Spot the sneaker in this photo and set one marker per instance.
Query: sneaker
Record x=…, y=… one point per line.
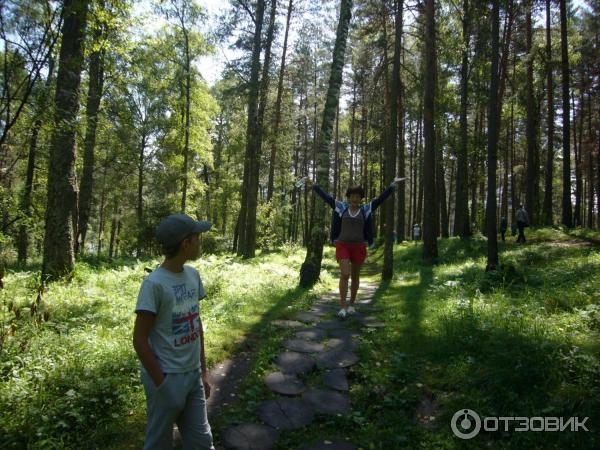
x=350, y=310
x=342, y=313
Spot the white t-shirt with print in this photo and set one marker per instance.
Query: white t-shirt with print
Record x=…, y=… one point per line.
x=175, y=299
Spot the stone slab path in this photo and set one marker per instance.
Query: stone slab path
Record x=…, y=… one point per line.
x=320, y=343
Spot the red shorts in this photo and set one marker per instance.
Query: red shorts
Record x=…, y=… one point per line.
x=354, y=252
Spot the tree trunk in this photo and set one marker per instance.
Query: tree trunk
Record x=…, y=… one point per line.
x=252, y=132
x=96, y=83
x=567, y=211
x=419, y=168
x=429, y=173
x=493, y=121
x=140, y=197
x=513, y=184
x=547, y=215
x=598, y=179
x=462, y=225
x=309, y=272
x=401, y=188
x=531, y=188
x=186, y=132
x=58, y=260
x=352, y=129
x=577, y=150
x=336, y=154
x=278, y=106
x=441, y=184
x=590, y=165
x=102, y=209
x=113, y=230
x=391, y=146
x=26, y=199
x=254, y=173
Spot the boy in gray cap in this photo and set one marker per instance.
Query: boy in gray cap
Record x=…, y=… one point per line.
x=169, y=340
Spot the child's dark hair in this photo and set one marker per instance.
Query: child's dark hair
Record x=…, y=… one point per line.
x=169, y=251
x=355, y=190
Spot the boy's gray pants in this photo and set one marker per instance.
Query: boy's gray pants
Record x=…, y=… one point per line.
x=178, y=399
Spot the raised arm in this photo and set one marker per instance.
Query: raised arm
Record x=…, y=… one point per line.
x=324, y=195
x=377, y=201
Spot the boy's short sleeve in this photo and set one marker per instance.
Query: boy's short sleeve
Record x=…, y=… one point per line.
x=147, y=299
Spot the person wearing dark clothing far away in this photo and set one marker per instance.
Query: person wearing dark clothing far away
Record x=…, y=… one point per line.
x=416, y=232
x=503, y=228
x=522, y=222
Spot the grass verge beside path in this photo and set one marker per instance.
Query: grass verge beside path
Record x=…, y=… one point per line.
x=72, y=381
x=523, y=341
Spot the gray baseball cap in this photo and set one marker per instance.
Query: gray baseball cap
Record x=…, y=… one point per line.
x=174, y=228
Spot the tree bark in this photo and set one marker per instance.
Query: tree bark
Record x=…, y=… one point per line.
x=532, y=169
x=252, y=131
x=567, y=208
x=26, y=199
x=462, y=224
x=277, y=123
x=577, y=150
x=309, y=272
x=493, y=122
x=401, y=188
x=547, y=214
x=391, y=145
x=336, y=154
x=58, y=260
x=186, y=143
x=254, y=173
x=590, y=165
x=140, y=197
x=441, y=184
x=430, y=250
x=94, y=96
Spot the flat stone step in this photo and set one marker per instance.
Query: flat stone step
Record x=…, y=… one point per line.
x=322, y=308
x=336, y=359
x=371, y=322
x=327, y=401
x=342, y=343
x=313, y=334
x=303, y=346
x=287, y=323
x=249, y=436
x=342, y=333
x=284, y=383
x=286, y=414
x=308, y=317
x=331, y=445
x=294, y=363
x=336, y=379
x=331, y=325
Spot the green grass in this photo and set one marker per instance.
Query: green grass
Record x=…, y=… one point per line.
x=72, y=380
x=522, y=341
x=519, y=342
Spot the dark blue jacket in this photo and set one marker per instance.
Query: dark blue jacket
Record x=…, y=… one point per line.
x=339, y=208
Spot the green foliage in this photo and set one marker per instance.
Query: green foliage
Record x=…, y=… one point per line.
x=267, y=238
x=72, y=378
